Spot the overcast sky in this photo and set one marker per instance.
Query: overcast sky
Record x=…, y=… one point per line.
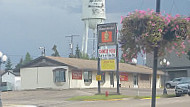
x=25, y=25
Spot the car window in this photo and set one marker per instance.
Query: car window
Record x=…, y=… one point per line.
x=186, y=80
x=176, y=79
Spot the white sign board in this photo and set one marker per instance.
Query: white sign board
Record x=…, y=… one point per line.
x=107, y=52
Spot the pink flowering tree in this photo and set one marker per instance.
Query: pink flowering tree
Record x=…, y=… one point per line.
x=143, y=30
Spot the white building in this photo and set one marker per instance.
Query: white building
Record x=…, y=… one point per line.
x=13, y=79
x=65, y=73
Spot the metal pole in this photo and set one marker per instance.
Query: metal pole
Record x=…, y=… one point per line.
x=0, y=84
x=117, y=71
x=0, y=64
x=164, y=91
x=99, y=72
x=0, y=92
x=154, y=77
x=153, y=104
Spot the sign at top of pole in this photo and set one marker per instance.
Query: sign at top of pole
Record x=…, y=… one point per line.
x=107, y=34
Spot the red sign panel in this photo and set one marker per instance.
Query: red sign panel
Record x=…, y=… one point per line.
x=123, y=76
x=77, y=74
x=106, y=36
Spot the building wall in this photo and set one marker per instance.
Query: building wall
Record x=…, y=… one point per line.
x=41, y=77
x=144, y=83
x=9, y=77
x=141, y=83
x=158, y=81
x=129, y=83
x=17, y=83
x=75, y=83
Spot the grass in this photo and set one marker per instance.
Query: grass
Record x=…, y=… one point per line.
x=113, y=97
x=168, y=96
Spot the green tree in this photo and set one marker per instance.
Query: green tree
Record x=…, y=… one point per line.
x=77, y=52
x=56, y=53
x=19, y=64
x=27, y=59
x=8, y=65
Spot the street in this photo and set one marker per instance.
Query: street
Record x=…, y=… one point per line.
x=57, y=98
x=183, y=101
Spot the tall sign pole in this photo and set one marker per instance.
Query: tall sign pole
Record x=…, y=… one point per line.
x=117, y=71
x=155, y=63
x=99, y=72
x=107, y=51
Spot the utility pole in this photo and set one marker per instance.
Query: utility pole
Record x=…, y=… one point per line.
x=155, y=63
x=71, y=43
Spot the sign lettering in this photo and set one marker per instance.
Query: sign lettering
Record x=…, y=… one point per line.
x=77, y=74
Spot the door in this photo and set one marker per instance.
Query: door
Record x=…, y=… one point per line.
x=112, y=79
x=135, y=80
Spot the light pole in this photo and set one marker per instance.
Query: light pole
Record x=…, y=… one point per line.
x=43, y=51
x=134, y=61
x=164, y=63
x=3, y=59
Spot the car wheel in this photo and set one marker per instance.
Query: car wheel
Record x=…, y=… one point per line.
x=168, y=86
x=189, y=94
x=177, y=94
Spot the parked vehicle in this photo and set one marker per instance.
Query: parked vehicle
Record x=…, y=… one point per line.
x=182, y=88
x=175, y=81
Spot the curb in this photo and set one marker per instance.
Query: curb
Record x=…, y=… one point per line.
x=16, y=105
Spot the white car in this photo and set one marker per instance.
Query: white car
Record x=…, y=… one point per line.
x=175, y=81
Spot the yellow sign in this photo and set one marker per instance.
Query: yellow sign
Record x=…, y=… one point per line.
x=98, y=77
x=107, y=65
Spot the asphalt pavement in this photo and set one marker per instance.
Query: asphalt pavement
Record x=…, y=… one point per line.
x=58, y=98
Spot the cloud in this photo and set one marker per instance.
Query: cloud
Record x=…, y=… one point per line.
x=67, y=5
x=63, y=4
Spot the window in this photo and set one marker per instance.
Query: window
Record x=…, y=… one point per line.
x=144, y=77
x=59, y=75
x=176, y=79
x=88, y=76
x=103, y=77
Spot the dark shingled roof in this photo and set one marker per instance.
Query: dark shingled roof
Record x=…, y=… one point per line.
x=92, y=65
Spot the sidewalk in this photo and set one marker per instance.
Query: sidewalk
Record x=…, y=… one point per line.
x=13, y=105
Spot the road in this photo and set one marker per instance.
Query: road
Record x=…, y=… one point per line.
x=162, y=102
x=57, y=98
